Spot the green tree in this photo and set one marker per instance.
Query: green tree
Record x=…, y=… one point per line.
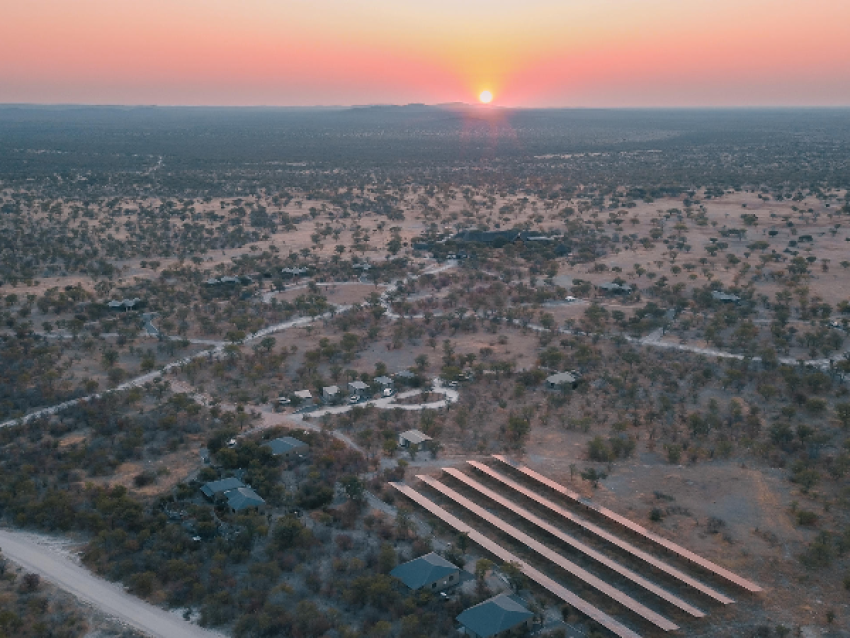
x=842, y=411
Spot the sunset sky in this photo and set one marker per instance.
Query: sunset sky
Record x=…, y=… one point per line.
x=570, y=53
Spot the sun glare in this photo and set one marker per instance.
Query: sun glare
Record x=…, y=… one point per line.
x=486, y=97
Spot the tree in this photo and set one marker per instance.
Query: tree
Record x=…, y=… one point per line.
x=386, y=558
x=268, y=343
x=842, y=411
x=514, y=574
x=353, y=487
x=110, y=358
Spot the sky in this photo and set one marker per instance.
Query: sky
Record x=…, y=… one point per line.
x=528, y=53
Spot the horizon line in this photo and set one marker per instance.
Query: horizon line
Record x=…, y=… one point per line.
x=484, y=107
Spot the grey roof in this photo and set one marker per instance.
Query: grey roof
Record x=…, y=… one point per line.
x=415, y=436
x=243, y=498
x=217, y=487
x=487, y=236
x=424, y=570
x=561, y=377
x=357, y=385
x=285, y=444
x=303, y=394
x=494, y=616
x=405, y=374
x=722, y=296
x=611, y=286
x=330, y=390
x=124, y=303
x=384, y=380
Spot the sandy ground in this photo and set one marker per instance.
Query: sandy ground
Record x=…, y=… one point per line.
x=35, y=554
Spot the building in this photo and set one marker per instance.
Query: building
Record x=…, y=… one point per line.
x=305, y=395
x=412, y=437
x=384, y=382
x=489, y=237
x=613, y=288
x=387, y=386
x=330, y=394
x=495, y=617
x=287, y=446
x=358, y=388
x=725, y=297
x=124, y=304
x=244, y=499
x=562, y=380
x=431, y=572
x=216, y=489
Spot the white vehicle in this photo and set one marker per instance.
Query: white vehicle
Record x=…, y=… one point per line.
x=453, y=385
x=388, y=392
x=353, y=399
x=570, y=299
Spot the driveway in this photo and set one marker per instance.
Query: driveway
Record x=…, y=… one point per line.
x=389, y=403
x=34, y=554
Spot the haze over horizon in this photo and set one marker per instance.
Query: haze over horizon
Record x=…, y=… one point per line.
x=540, y=53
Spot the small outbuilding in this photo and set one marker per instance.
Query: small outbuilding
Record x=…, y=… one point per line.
x=495, y=617
x=330, y=394
x=244, y=499
x=613, y=288
x=305, y=395
x=431, y=572
x=725, y=297
x=562, y=380
x=287, y=446
x=385, y=382
x=412, y=437
x=358, y=388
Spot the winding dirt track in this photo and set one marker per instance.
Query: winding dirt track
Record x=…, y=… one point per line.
x=34, y=556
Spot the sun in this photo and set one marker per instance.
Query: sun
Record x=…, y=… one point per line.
x=485, y=97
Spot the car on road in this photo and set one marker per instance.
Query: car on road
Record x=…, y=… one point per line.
x=353, y=399
x=453, y=385
x=388, y=392
x=570, y=299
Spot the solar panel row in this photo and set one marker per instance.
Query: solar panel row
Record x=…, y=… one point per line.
x=577, y=544
x=634, y=527
x=582, y=574
x=598, y=531
x=534, y=574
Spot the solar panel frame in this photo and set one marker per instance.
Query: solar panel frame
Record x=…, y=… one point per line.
x=634, y=527
x=611, y=538
x=533, y=544
x=534, y=574
x=577, y=544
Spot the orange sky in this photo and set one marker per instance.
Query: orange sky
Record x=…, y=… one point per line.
x=582, y=53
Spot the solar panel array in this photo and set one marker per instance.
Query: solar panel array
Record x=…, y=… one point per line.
x=585, y=551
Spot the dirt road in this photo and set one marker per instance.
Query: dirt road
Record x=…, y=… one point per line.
x=38, y=557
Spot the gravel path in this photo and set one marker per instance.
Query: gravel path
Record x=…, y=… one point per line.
x=35, y=554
